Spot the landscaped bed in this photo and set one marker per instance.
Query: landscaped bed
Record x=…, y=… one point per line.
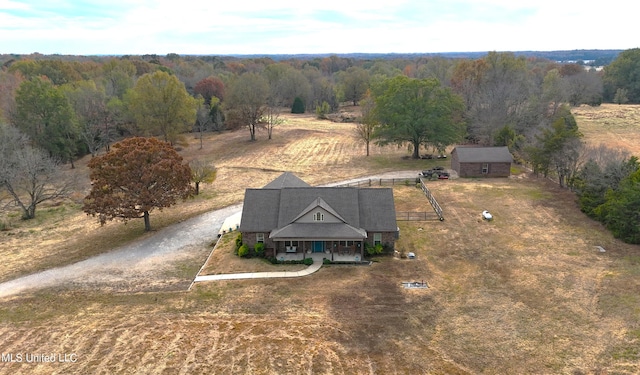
x=223, y=260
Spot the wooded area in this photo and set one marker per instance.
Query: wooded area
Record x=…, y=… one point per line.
x=73, y=106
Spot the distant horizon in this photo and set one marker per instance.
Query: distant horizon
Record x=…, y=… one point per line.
x=284, y=27
x=324, y=53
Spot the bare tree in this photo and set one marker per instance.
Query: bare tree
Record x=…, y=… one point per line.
x=203, y=120
x=247, y=101
x=584, y=88
x=497, y=92
x=367, y=123
x=271, y=119
x=605, y=156
x=89, y=104
x=27, y=174
x=568, y=160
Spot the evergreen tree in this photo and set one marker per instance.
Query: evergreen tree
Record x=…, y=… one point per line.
x=621, y=211
x=298, y=105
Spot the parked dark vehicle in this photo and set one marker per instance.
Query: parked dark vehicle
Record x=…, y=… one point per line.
x=437, y=173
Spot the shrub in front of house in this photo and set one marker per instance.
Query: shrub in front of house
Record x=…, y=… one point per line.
x=308, y=261
x=374, y=250
x=387, y=248
x=259, y=249
x=243, y=251
x=238, y=241
x=274, y=260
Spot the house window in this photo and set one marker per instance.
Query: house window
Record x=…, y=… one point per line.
x=485, y=168
x=377, y=239
x=259, y=237
x=291, y=246
x=319, y=216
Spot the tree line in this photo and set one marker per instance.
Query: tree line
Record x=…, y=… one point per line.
x=71, y=108
x=74, y=107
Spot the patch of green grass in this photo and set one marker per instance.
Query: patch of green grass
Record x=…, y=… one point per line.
x=535, y=194
x=41, y=306
x=628, y=352
x=396, y=162
x=184, y=270
x=632, y=260
x=517, y=169
x=50, y=304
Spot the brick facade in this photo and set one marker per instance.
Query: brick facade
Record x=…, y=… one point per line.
x=271, y=247
x=475, y=169
x=474, y=166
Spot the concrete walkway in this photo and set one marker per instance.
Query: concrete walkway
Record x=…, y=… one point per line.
x=261, y=275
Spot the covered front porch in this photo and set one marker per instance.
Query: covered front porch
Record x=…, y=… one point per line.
x=333, y=250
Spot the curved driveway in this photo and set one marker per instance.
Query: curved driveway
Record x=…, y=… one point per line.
x=125, y=264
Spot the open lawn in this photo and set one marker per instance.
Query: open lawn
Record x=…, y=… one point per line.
x=525, y=293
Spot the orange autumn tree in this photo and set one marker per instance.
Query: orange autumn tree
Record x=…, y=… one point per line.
x=136, y=176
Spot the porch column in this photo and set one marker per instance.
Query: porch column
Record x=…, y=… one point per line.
x=333, y=246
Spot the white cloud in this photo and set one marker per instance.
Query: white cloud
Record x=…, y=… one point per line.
x=286, y=26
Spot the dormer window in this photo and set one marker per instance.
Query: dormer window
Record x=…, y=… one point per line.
x=319, y=216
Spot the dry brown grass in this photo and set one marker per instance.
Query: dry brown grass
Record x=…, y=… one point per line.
x=525, y=293
x=317, y=151
x=617, y=126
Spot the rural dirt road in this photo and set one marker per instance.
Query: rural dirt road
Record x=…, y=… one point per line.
x=147, y=264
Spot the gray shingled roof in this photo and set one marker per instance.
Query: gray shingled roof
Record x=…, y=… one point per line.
x=344, y=200
x=270, y=209
x=321, y=231
x=287, y=179
x=319, y=202
x=483, y=154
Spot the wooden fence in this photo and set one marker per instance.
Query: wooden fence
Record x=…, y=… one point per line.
x=404, y=215
x=382, y=182
x=414, y=216
x=432, y=200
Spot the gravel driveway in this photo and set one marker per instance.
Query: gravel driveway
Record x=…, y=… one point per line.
x=145, y=264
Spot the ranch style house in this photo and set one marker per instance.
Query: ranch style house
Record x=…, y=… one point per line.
x=473, y=161
x=294, y=219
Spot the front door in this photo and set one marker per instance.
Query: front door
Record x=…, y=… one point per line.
x=318, y=246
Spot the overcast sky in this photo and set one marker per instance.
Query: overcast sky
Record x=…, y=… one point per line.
x=93, y=27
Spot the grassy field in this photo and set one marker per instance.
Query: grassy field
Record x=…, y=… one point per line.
x=617, y=126
x=525, y=293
